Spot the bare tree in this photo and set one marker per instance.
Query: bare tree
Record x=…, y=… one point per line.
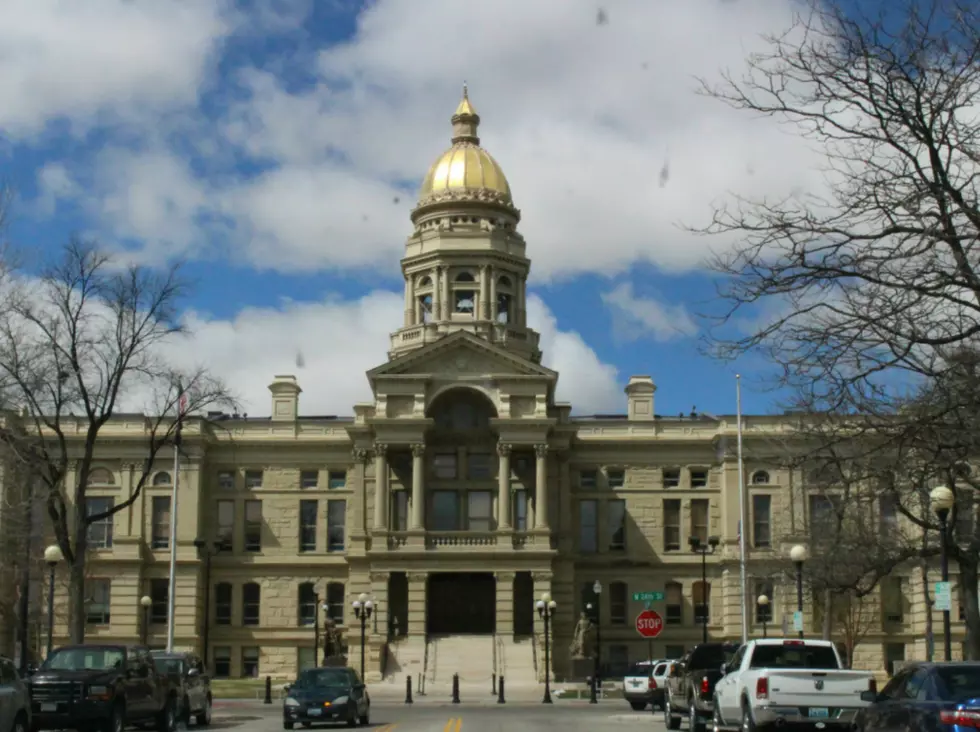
x=79, y=344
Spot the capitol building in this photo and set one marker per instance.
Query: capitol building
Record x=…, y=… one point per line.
x=457, y=496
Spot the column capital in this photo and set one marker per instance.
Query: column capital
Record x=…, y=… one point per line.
x=360, y=455
x=380, y=576
x=541, y=450
x=418, y=449
x=380, y=449
x=504, y=448
x=541, y=576
x=417, y=576
x=505, y=576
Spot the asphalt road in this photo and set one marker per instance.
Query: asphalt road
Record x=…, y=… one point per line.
x=459, y=718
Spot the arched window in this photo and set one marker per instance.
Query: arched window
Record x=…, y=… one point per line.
x=100, y=476
x=335, y=602
x=251, y=603
x=307, y=604
x=701, y=592
x=504, y=282
x=674, y=602
x=425, y=308
x=465, y=277
x=425, y=281
x=462, y=409
x=162, y=478
x=505, y=300
x=464, y=294
x=760, y=477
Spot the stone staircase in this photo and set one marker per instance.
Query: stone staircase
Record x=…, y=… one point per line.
x=406, y=656
x=470, y=656
x=517, y=662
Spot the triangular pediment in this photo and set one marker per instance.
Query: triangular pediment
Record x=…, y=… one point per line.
x=463, y=354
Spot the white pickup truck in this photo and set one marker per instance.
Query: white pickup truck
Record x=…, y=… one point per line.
x=799, y=683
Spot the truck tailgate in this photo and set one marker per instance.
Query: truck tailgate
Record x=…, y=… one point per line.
x=815, y=688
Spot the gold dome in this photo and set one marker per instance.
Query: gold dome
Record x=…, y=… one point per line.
x=465, y=169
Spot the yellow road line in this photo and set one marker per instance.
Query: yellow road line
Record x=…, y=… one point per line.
x=453, y=725
x=386, y=728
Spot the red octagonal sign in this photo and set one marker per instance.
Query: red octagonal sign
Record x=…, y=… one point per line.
x=649, y=623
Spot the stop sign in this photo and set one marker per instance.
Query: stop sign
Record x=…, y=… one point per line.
x=649, y=623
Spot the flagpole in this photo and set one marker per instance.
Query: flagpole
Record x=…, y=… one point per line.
x=743, y=527
x=172, y=590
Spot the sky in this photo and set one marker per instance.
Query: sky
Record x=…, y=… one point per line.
x=278, y=145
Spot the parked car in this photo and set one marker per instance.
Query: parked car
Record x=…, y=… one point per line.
x=192, y=684
x=691, y=685
x=799, y=683
x=926, y=697
x=639, y=686
x=108, y=687
x=15, y=699
x=326, y=695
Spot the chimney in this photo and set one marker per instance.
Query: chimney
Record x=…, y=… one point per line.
x=639, y=399
x=285, y=398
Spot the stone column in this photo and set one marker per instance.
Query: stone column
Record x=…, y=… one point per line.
x=505, y=604
x=359, y=460
x=416, y=604
x=447, y=304
x=380, y=486
x=484, y=312
x=541, y=487
x=436, y=294
x=520, y=295
x=418, y=492
x=503, y=486
x=409, y=300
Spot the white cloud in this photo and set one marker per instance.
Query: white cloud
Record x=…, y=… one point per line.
x=582, y=117
x=635, y=317
x=80, y=60
x=329, y=346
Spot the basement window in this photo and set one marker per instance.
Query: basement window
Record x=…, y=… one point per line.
x=699, y=477
x=672, y=477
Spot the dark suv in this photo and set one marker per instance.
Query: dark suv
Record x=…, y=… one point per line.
x=190, y=682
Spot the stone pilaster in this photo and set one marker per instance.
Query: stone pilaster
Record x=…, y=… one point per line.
x=380, y=486
x=505, y=604
x=416, y=603
x=503, y=486
x=418, y=487
x=541, y=487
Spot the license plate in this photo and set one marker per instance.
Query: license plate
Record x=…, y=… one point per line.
x=314, y=712
x=49, y=707
x=819, y=712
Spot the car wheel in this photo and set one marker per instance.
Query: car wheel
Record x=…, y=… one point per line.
x=748, y=724
x=287, y=725
x=117, y=719
x=671, y=720
x=352, y=717
x=366, y=717
x=716, y=723
x=20, y=724
x=166, y=719
x=203, y=719
x=694, y=721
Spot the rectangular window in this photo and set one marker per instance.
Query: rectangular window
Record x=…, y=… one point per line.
x=159, y=600
x=160, y=522
x=337, y=480
x=699, y=519
x=222, y=603
x=588, y=526
x=307, y=525
x=335, y=602
x=616, y=517
x=892, y=599
x=824, y=510
x=305, y=659
x=520, y=510
x=480, y=466
x=479, y=512
x=222, y=662
x=309, y=479
x=894, y=653
x=251, y=604
x=399, y=507
x=701, y=593
x=619, y=661
x=674, y=603
x=763, y=611
x=253, y=526
x=444, y=466
x=253, y=479
x=587, y=479
x=616, y=477
x=617, y=603
x=226, y=524
x=99, y=593
x=226, y=480
x=250, y=662
x=336, y=525
x=307, y=604
x=761, y=521
x=672, y=477
x=672, y=524
x=699, y=478
x=99, y=532
x=445, y=511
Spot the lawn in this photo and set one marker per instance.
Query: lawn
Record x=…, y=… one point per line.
x=244, y=688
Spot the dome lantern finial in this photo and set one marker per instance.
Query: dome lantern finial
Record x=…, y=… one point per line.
x=465, y=120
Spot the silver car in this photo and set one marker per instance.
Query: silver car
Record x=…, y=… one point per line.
x=15, y=700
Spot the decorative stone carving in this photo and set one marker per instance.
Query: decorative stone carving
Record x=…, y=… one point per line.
x=380, y=576
x=582, y=638
x=504, y=449
x=418, y=450
x=505, y=576
x=360, y=455
x=541, y=450
x=417, y=576
x=541, y=576
x=380, y=449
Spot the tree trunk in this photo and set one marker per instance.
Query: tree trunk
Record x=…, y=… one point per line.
x=968, y=597
x=76, y=579
x=927, y=598
x=828, y=615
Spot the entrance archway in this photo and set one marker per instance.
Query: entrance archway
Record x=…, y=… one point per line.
x=461, y=603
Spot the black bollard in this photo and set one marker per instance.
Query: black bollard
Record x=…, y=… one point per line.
x=500, y=691
x=592, y=691
x=455, y=688
x=408, y=689
x=493, y=684
x=268, y=690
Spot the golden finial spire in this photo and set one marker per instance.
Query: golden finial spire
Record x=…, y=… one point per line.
x=465, y=107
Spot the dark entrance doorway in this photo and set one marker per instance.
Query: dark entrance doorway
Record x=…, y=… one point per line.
x=461, y=603
x=397, y=605
x=523, y=605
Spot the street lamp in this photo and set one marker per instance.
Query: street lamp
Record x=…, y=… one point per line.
x=704, y=550
x=207, y=550
x=52, y=556
x=763, y=603
x=362, y=611
x=798, y=555
x=326, y=636
x=942, y=500
x=546, y=609
x=597, y=659
x=146, y=601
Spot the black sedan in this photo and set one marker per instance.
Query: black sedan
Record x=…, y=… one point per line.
x=925, y=697
x=326, y=695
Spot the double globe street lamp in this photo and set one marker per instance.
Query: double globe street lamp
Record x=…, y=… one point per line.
x=763, y=603
x=52, y=557
x=363, y=607
x=546, y=610
x=146, y=602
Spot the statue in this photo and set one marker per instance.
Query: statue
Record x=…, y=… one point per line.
x=582, y=639
x=331, y=640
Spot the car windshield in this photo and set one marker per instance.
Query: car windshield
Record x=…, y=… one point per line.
x=959, y=683
x=639, y=669
x=85, y=659
x=797, y=655
x=321, y=677
x=170, y=666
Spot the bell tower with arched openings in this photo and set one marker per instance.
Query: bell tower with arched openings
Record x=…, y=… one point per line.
x=465, y=265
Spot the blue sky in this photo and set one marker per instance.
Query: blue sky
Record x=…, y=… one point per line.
x=278, y=147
